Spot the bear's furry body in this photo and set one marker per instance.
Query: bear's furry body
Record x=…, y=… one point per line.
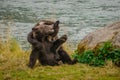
x=46, y=46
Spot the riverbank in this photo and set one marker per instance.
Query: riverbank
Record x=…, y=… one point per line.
x=13, y=66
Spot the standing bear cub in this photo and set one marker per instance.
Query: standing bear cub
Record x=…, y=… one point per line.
x=46, y=46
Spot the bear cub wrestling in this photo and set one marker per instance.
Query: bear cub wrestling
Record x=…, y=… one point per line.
x=46, y=46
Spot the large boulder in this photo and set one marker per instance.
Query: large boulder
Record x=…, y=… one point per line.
x=108, y=33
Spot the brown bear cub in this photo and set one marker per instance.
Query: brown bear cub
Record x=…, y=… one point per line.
x=46, y=46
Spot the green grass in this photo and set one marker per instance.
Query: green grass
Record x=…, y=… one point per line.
x=13, y=66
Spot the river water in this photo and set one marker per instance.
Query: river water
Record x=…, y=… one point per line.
x=78, y=17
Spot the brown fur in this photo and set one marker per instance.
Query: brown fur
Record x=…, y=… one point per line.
x=46, y=46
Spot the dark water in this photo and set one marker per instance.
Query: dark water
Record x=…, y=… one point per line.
x=78, y=17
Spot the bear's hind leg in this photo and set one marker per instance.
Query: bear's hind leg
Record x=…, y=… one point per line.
x=33, y=58
x=65, y=57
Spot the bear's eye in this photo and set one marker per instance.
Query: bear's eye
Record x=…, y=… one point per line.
x=48, y=23
x=45, y=26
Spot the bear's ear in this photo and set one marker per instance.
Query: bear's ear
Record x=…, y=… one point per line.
x=56, y=23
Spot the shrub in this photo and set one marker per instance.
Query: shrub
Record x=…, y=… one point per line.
x=99, y=56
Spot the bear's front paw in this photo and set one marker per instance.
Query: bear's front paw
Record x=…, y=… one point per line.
x=63, y=38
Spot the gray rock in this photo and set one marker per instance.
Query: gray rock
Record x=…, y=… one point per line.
x=108, y=33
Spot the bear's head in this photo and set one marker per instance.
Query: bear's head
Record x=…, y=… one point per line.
x=46, y=28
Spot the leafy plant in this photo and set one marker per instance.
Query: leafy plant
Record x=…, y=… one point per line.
x=104, y=53
x=115, y=56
